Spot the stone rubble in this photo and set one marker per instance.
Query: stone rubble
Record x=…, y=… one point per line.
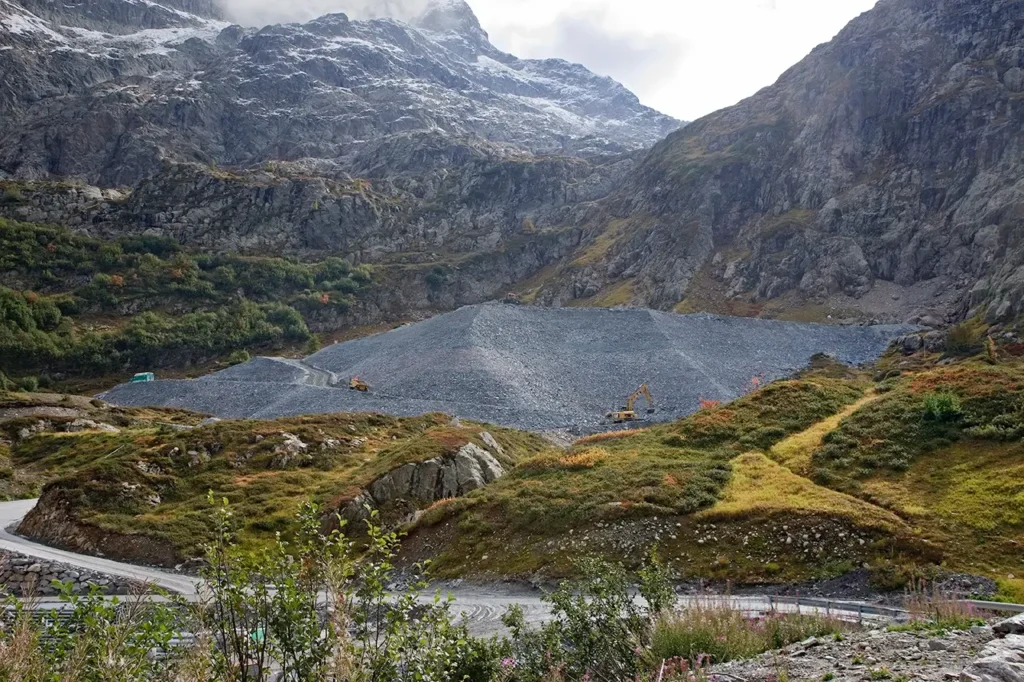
x=527, y=367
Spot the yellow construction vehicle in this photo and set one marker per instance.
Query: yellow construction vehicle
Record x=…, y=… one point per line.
x=358, y=384
x=627, y=413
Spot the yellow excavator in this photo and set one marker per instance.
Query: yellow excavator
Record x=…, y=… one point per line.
x=358, y=384
x=627, y=413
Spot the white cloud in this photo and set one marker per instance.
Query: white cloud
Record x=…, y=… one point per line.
x=725, y=49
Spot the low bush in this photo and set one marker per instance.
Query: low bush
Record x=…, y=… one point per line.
x=720, y=633
x=967, y=337
x=238, y=357
x=942, y=407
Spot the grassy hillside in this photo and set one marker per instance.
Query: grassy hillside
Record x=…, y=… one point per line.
x=802, y=479
x=72, y=306
x=144, y=488
x=807, y=478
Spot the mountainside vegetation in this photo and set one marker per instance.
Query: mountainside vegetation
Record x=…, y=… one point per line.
x=73, y=306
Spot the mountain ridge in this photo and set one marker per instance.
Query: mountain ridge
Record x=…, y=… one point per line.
x=181, y=87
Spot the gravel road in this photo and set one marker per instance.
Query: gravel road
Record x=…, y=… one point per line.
x=526, y=367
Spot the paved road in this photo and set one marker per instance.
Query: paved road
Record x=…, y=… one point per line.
x=481, y=606
x=11, y=514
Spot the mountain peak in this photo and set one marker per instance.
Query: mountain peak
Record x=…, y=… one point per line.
x=450, y=16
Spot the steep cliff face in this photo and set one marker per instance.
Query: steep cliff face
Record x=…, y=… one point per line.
x=882, y=173
x=107, y=91
x=429, y=213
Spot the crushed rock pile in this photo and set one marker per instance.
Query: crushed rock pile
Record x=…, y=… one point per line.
x=525, y=367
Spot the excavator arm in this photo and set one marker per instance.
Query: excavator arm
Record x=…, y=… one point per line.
x=642, y=392
x=627, y=414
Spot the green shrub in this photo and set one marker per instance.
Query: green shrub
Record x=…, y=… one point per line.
x=313, y=345
x=238, y=357
x=966, y=338
x=29, y=384
x=12, y=195
x=942, y=407
x=238, y=302
x=597, y=631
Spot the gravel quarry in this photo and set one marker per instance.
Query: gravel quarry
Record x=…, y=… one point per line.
x=539, y=369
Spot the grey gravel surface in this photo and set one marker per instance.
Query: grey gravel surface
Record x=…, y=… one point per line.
x=525, y=367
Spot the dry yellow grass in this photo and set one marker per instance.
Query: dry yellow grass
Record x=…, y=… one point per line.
x=610, y=435
x=760, y=486
x=978, y=487
x=795, y=452
x=599, y=248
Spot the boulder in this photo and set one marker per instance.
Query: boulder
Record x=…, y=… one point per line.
x=427, y=475
x=491, y=442
x=1002, y=660
x=383, y=490
x=935, y=342
x=910, y=344
x=468, y=472
x=1011, y=626
x=470, y=468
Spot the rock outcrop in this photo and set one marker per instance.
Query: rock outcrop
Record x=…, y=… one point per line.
x=423, y=483
x=53, y=522
x=881, y=176
x=1002, y=660
x=878, y=179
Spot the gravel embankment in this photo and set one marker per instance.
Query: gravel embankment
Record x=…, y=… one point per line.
x=526, y=367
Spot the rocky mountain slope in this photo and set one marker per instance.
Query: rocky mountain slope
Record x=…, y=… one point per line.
x=882, y=173
x=878, y=179
x=108, y=91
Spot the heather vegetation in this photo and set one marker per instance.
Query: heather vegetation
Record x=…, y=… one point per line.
x=72, y=305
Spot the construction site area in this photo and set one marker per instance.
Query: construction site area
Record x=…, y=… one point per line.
x=540, y=369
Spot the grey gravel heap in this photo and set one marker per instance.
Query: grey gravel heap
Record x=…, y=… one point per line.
x=526, y=367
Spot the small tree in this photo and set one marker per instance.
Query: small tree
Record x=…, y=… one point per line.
x=991, y=351
x=942, y=407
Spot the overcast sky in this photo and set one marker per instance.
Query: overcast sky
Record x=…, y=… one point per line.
x=686, y=58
